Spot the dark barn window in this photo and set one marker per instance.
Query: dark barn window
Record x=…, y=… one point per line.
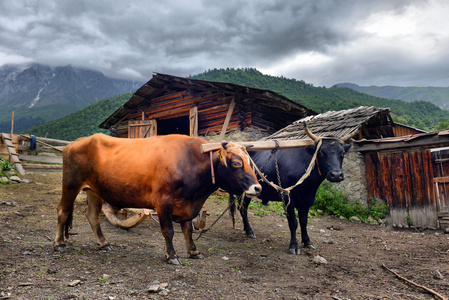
x=178, y=125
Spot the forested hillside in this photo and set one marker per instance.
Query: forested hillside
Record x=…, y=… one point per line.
x=420, y=114
x=435, y=95
x=81, y=123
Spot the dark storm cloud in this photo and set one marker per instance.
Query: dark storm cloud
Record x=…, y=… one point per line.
x=133, y=39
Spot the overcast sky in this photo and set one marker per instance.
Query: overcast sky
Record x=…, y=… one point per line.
x=323, y=42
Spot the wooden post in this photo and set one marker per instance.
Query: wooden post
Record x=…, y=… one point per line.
x=228, y=118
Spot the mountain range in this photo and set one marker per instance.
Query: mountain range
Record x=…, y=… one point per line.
x=436, y=95
x=39, y=93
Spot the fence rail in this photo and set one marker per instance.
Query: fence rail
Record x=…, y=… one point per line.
x=47, y=153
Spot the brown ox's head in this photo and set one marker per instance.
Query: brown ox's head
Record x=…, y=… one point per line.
x=234, y=172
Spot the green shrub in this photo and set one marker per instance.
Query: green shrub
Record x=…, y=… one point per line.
x=332, y=201
x=5, y=166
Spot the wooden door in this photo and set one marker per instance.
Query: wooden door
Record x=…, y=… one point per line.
x=142, y=129
x=440, y=159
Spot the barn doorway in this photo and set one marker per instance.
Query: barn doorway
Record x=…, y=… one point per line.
x=179, y=125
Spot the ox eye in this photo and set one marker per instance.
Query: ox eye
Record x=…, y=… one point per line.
x=237, y=164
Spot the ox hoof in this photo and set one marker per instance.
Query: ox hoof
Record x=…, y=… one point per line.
x=294, y=251
x=60, y=248
x=197, y=256
x=251, y=235
x=174, y=261
x=106, y=248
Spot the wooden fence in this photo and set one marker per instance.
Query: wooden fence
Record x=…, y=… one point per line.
x=47, y=154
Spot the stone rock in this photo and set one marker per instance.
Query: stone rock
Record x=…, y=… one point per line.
x=319, y=260
x=74, y=283
x=9, y=203
x=160, y=288
x=355, y=219
x=370, y=220
x=15, y=179
x=4, y=179
x=24, y=180
x=437, y=274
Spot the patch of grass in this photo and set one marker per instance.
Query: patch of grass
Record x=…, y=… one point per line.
x=332, y=201
x=103, y=280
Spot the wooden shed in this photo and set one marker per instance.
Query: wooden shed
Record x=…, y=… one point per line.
x=411, y=173
x=170, y=104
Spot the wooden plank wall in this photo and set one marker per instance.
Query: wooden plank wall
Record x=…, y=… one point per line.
x=399, y=130
x=212, y=110
x=404, y=179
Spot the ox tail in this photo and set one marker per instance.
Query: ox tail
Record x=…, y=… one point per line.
x=231, y=202
x=68, y=224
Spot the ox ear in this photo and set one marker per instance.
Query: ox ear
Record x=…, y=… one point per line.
x=311, y=149
x=224, y=144
x=347, y=147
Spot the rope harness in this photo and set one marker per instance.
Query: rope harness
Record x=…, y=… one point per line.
x=286, y=191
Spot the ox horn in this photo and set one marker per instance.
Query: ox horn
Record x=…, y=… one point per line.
x=307, y=131
x=351, y=135
x=224, y=144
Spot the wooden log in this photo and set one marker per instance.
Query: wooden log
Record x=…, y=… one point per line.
x=41, y=167
x=42, y=159
x=261, y=145
x=47, y=140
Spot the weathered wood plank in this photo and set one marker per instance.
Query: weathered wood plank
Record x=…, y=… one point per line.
x=42, y=159
x=42, y=167
x=261, y=145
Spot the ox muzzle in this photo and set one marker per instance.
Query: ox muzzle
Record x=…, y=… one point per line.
x=335, y=176
x=253, y=191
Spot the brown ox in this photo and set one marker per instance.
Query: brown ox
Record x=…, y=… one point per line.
x=166, y=173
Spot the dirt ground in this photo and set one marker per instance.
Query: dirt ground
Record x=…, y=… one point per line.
x=234, y=267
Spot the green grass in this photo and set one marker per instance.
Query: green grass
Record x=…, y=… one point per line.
x=332, y=201
x=328, y=200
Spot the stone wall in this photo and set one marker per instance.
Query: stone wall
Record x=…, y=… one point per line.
x=355, y=180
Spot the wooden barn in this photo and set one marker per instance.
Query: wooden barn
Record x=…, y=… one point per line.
x=410, y=172
x=170, y=104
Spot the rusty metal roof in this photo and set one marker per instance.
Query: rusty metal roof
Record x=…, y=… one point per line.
x=163, y=83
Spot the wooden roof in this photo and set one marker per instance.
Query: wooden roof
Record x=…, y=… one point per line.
x=375, y=122
x=163, y=83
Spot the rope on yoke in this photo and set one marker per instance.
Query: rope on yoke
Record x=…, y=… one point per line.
x=300, y=181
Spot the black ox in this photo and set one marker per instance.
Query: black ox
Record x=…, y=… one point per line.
x=292, y=165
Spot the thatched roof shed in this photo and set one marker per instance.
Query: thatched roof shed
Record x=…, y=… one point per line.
x=375, y=123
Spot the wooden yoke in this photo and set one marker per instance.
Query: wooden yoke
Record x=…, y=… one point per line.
x=261, y=145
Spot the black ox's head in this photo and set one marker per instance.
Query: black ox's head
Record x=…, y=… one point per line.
x=234, y=171
x=330, y=154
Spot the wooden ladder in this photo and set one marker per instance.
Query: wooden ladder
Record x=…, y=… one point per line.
x=12, y=153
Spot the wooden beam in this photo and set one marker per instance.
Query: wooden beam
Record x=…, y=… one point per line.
x=41, y=158
x=261, y=145
x=228, y=118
